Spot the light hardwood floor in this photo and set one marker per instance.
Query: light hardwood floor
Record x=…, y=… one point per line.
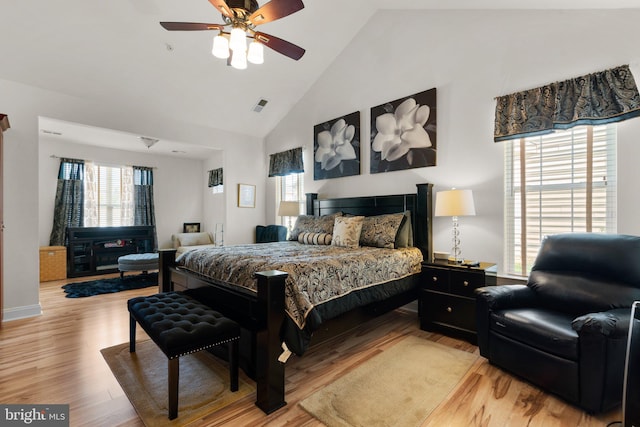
x=55, y=358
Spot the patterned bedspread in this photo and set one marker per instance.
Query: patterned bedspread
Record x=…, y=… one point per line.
x=317, y=273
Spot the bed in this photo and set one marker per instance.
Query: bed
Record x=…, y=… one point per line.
x=264, y=307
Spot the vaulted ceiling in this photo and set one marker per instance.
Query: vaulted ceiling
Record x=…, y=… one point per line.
x=116, y=52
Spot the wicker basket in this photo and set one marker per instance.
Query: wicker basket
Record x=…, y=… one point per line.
x=53, y=263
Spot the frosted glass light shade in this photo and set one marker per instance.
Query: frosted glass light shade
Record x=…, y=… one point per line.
x=220, y=47
x=238, y=40
x=256, y=53
x=239, y=59
x=454, y=203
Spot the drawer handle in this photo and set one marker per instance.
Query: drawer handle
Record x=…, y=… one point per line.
x=449, y=309
x=465, y=283
x=435, y=279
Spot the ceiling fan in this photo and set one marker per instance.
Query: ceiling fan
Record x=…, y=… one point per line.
x=243, y=16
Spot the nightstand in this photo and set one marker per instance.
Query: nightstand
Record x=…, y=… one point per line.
x=447, y=302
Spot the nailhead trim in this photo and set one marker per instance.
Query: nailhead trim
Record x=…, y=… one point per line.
x=204, y=348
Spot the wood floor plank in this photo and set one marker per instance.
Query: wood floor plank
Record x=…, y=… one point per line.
x=55, y=358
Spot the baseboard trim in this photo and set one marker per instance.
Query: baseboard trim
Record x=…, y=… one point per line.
x=24, y=312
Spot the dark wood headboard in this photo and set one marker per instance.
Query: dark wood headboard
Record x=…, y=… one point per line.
x=420, y=204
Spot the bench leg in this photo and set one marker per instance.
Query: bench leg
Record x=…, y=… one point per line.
x=233, y=364
x=132, y=334
x=174, y=374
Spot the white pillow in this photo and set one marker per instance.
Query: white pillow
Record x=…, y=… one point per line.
x=194, y=239
x=346, y=231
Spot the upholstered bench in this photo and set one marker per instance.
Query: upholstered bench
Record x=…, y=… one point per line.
x=137, y=262
x=181, y=325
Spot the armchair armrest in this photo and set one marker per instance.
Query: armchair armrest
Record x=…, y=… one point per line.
x=506, y=296
x=612, y=323
x=492, y=298
x=603, y=343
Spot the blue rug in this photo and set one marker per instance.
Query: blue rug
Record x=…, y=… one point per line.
x=109, y=286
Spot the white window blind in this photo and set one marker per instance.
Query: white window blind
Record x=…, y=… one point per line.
x=555, y=183
x=109, y=196
x=291, y=188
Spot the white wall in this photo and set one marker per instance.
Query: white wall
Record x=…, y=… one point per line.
x=24, y=104
x=470, y=57
x=178, y=185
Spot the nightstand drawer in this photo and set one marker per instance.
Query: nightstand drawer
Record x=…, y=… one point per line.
x=450, y=311
x=436, y=279
x=464, y=283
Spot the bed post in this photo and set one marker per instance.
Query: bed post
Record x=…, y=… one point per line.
x=311, y=197
x=423, y=220
x=166, y=260
x=269, y=370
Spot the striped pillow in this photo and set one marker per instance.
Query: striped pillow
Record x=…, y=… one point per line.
x=315, y=238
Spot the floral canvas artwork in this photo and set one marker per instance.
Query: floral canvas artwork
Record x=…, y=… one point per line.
x=336, y=147
x=403, y=133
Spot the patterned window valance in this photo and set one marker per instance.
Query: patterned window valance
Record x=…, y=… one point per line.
x=215, y=177
x=286, y=162
x=71, y=169
x=142, y=175
x=599, y=98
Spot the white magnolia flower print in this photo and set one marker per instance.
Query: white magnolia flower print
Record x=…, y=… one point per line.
x=401, y=131
x=335, y=146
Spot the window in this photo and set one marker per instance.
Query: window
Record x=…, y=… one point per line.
x=560, y=182
x=109, y=196
x=108, y=200
x=290, y=188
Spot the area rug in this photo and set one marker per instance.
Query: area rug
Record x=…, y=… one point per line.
x=398, y=387
x=111, y=285
x=203, y=384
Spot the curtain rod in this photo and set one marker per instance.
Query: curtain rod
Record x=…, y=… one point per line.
x=53, y=156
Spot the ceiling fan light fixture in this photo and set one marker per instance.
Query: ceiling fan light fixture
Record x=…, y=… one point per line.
x=220, y=47
x=238, y=41
x=239, y=59
x=256, y=53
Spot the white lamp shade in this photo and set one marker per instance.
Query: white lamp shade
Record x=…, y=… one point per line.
x=256, y=53
x=238, y=41
x=289, y=208
x=454, y=203
x=239, y=59
x=220, y=47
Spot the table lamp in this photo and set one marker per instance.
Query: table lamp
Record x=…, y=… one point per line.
x=289, y=209
x=455, y=203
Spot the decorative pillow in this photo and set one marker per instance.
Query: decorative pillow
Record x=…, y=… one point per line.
x=346, y=231
x=193, y=239
x=404, y=238
x=315, y=238
x=314, y=224
x=380, y=231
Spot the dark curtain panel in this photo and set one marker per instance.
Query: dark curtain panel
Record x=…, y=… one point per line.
x=595, y=99
x=143, y=208
x=69, y=204
x=215, y=177
x=286, y=162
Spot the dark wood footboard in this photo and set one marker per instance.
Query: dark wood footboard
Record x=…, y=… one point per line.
x=261, y=313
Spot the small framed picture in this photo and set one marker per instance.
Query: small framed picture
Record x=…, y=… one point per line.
x=246, y=196
x=191, y=227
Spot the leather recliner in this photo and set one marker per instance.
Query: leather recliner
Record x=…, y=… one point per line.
x=566, y=329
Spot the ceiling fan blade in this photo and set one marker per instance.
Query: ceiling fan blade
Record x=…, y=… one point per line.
x=273, y=10
x=222, y=7
x=281, y=46
x=190, y=26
